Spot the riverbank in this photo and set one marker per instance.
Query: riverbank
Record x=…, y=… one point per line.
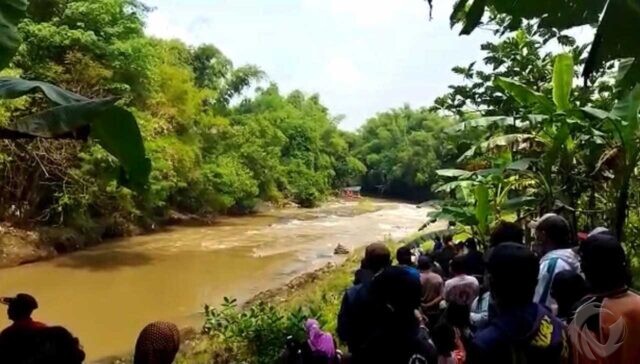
x=173, y=273
x=318, y=292
x=315, y=294
x=19, y=246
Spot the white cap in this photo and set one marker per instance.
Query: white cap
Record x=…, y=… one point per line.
x=598, y=230
x=534, y=224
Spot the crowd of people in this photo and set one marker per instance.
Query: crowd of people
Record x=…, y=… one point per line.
x=560, y=300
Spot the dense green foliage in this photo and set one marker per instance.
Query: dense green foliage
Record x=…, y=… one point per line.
x=496, y=142
x=543, y=143
x=212, y=149
x=68, y=115
x=402, y=149
x=615, y=38
x=257, y=334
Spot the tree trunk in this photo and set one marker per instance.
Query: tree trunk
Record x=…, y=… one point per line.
x=622, y=205
x=591, y=206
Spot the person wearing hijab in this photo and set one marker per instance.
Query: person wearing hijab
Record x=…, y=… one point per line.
x=321, y=344
x=158, y=343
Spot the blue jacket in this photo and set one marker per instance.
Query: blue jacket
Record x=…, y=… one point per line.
x=355, y=316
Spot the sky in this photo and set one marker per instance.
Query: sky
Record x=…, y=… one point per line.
x=361, y=56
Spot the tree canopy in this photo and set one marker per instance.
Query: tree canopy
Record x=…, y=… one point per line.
x=496, y=144
x=532, y=124
x=212, y=148
x=617, y=23
x=402, y=149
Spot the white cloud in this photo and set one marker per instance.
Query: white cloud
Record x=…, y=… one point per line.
x=368, y=13
x=343, y=73
x=361, y=56
x=159, y=25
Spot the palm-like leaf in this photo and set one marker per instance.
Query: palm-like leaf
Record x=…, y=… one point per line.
x=113, y=127
x=12, y=88
x=11, y=13
x=597, y=113
x=525, y=95
x=521, y=164
x=483, y=208
x=513, y=141
x=459, y=173
x=520, y=202
x=448, y=187
x=482, y=123
x=562, y=81
x=616, y=37
x=460, y=215
x=60, y=120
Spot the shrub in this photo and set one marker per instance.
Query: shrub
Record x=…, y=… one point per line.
x=257, y=334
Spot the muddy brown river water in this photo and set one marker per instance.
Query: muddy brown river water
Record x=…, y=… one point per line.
x=107, y=294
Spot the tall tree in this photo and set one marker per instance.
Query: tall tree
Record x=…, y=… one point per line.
x=402, y=150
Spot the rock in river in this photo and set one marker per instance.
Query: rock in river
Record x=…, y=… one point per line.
x=340, y=250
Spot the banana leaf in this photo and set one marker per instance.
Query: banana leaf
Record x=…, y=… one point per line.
x=11, y=13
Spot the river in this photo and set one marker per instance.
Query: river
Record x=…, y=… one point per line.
x=106, y=295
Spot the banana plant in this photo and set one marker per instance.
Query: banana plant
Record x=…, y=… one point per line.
x=71, y=116
x=618, y=23
x=480, y=198
x=549, y=136
x=542, y=131
x=624, y=125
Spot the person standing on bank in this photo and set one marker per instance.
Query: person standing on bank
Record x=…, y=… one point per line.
x=606, y=326
x=521, y=331
x=354, y=318
x=15, y=340
x=554, y=244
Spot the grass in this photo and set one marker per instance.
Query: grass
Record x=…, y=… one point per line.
x=325, y=293
x=320, y=292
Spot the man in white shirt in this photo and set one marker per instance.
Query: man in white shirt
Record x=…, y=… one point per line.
x=554, y=243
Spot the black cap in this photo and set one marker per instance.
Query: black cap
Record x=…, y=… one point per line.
x=23, y=301
x=603, y=248
x=513, y=271
x=604, y=263
x=508, y=258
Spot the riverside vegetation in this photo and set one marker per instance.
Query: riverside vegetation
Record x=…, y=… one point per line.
x=254, y=332
x=520, y=122
x=200, y=145
x=212, y=147
x=498, y=145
